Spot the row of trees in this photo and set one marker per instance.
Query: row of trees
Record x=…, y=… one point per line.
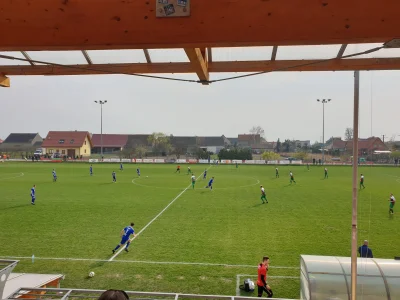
x=236, y=153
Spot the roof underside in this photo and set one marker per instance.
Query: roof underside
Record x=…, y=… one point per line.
x=273, y=37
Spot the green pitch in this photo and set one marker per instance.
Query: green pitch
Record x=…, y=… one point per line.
x=205, y=240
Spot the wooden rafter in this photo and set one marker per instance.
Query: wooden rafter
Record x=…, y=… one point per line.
x=362, y=64
x=87, y=57
x=198, y=61
x=274, y=51
x=26, y=55
x=209, y=54
x=4, y=81
x=65, y=25
x=147, y=55
x=341, y=50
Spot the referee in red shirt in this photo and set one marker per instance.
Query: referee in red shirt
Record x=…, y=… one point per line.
x=262, y=278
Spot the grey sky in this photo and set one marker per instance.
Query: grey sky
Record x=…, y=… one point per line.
x=284, y=104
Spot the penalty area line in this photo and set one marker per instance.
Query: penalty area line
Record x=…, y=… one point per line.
x=155, y=218
x=205, y=264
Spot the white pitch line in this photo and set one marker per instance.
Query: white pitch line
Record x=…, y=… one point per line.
x=155, y=218
x=147, y=262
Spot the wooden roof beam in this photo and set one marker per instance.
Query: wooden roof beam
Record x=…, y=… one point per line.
x=341, y=50
x=4, y=81
x=147, y=55
x=198, y=60
x=74, y=25
x=26, y=55
x=87, y=57
x=362, y=64
x=209, y=54
x=274, y=51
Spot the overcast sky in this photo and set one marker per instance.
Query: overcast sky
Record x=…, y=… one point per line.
x=284, y=104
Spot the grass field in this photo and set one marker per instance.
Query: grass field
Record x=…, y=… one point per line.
x=204, y=239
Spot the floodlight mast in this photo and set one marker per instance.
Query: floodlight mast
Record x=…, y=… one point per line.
x=323, y=101
x=101, y=102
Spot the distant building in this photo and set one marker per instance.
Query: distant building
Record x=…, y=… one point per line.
x=69, y=143
x=21, y=142
x=212, y=144
x=263, y=147
x=365, y=146
x=248, y=140
x=111, y=142
x=1, y=141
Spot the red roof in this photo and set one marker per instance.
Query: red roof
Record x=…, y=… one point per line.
x=110, y=140
x=66, y=139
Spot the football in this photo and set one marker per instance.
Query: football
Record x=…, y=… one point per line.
x=91, y=274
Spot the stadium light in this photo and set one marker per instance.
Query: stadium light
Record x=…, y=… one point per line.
x=101, y=102
x=323, y=101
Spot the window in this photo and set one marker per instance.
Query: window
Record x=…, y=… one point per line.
x=72, y=141
x=57, y=151
x=62, y=151
x=50, y=151
x=85, y=149
x=61, y=141
x=85, y=142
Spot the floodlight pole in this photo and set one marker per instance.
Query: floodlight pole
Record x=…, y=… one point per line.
x=323, y=101
x=101, y=102
x=355, y=191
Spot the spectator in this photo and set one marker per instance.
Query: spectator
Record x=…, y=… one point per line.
x=365, y=251
x=114, y=295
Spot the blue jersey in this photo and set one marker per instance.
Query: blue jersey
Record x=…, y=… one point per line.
x=211, y=182
x=54, y=174
x=128, y=231
x=91, y=170
x=121, y=167
x=33, y=191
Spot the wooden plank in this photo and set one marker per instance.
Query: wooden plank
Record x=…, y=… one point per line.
x=4, y=81
x=341, y=50
x=110, y=24
x=199, y=62
x=213, y=67
x=147, y=55
x=274, y=51
x=87, y=57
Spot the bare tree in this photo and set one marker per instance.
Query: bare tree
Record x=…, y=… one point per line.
x=257, y=130
x=348, y=134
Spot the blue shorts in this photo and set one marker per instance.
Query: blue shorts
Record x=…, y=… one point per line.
x=210, y=184
x=124, y=240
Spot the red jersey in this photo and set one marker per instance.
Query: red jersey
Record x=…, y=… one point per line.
x=262, y=270
x=178, y=167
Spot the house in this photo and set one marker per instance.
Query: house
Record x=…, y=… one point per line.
x=365, y=146
x=212, y=144
x=263, y=147
x=183, y=144
x=21, y=142
x=233, y=142
x=1, y=141
x=249, y=139
x=111, y=142
x=70, y=143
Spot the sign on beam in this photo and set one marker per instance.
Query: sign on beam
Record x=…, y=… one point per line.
x=172, y=8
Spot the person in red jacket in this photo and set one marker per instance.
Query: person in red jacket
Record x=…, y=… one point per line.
x=262, y=278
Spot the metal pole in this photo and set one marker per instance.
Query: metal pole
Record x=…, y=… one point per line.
x=355, y=191
x=323, y=132
x=101, y=130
